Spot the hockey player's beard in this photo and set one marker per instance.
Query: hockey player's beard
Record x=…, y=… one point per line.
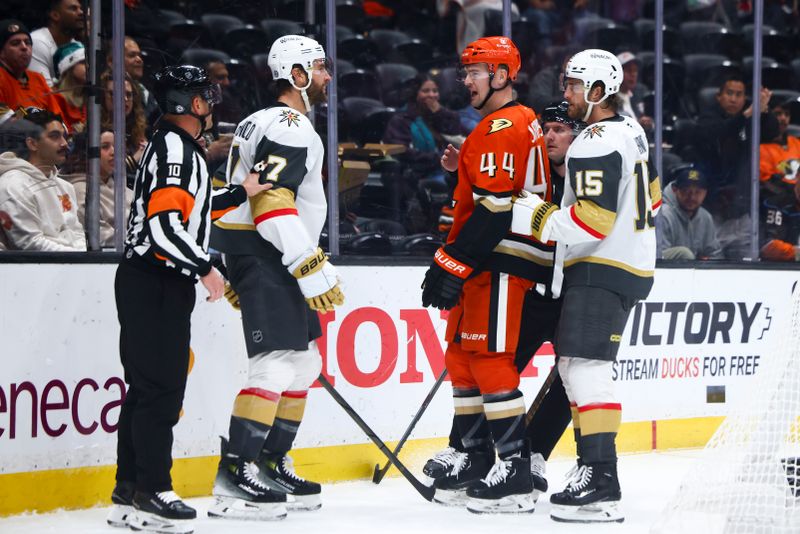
x=316, y=94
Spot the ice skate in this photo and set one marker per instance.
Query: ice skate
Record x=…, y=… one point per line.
x=240, y=493
x=122, y=507
x=440, y=464
x=451, y=489
x=507, y=489
x=591, y=496
x=162, y=512
x=538, y=464
x=277, y=471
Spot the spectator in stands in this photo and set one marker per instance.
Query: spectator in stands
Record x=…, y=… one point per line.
x=228, y=112
x=39, y=208
x=134, y=67
x=548, y=83
x=135, y=123
x=76, y=175
x=780, y=153
x=780, y=228
x=632, y=92
x=686, y=230
x=723, y=144
x=470, y=18
x=548, y=18
x=70, y=62
x=19, y=86
x=426, y=127
x=65, y=24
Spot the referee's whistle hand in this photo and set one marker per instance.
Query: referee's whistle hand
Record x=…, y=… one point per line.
x=214, y=284
x=253, y=186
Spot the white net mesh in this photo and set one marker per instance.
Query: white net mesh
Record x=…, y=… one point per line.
x=747, y=479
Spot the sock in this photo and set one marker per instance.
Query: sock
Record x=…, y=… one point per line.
x=471, y=419
x=505, y=413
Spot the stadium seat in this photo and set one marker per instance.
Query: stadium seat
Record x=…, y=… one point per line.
x=424, y=245
x=188, y=33
x=261, y=67
x=246, y=41
x=796, y=70
x=670, y=162
x=773, y=43
x=611, y=36
x=343, y=66
x=351, y=13
x=365, y=119
x=359, y=82
x=584, y=26
x=276, y=28
x=199, y=57
x=706, y=70
x=219, y=25
x=493, y=21
x=774, y=75
x=370, y=244
x=358, y=49
x=683, y=141
x=394, y=80
x=398, y=47
x=674, y=74
x=706, y=98
x=711, y=38
x=645, y=32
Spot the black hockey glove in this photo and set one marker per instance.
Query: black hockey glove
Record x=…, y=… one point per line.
x=445, y=278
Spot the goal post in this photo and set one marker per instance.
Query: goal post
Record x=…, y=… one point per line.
x=747, y=478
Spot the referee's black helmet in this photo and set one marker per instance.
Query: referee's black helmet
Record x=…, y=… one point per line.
x=557, y=112
x=176, y=85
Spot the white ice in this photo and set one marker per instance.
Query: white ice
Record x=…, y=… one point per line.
x=648, y=480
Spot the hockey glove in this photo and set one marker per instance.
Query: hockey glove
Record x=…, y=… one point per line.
x=445, y=278
x=530, y=216
x=232, y=296
x=318, y=280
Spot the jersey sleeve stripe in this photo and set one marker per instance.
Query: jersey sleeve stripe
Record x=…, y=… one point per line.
x=268, y=201
x=218, y=214
x=170, y=198
x=495, y=205
x=592, y=218
x=485, y=192
x=274, y=213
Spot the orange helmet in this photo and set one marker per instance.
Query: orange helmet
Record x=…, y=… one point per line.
x=494, y=51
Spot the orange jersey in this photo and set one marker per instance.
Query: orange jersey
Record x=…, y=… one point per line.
x=775, y=159
x=36, y=93
x=504, y=154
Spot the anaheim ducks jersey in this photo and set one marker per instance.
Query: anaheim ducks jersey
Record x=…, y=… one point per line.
x=280, y=143
x=504, y=154
x=605, y=228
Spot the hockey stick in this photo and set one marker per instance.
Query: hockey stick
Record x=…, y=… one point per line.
x=540, y=396
x=422, y=489
x=379, y=473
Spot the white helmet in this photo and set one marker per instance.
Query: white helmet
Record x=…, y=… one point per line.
x=595, y=65
x=291, y=50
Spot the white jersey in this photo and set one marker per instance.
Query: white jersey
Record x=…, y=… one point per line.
x=280, y=143
x=605, y=228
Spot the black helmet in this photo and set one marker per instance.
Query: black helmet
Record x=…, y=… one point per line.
x=557, y=112
x=176, y=85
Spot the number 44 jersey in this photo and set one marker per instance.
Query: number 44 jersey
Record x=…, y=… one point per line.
x=605, y=228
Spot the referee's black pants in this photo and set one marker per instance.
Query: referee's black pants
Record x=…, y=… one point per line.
x=154, y=307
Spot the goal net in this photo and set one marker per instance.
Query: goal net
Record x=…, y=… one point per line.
x=747, y=480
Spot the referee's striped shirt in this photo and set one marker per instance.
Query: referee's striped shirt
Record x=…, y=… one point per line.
x=173, y=203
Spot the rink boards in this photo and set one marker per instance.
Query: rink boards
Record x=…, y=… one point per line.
x=687, y=353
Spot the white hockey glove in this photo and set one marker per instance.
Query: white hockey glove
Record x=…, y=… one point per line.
x=319, y=281
x=531, y=215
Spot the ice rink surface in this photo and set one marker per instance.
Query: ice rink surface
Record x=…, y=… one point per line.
x=648, y=480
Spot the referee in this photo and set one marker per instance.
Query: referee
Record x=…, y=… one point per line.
x=165, y=254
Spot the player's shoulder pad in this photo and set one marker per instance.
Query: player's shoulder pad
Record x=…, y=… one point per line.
x=284, y=123
x=507, y=121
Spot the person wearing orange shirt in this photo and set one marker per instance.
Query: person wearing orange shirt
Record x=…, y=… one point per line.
x=780, y=154
x=481, y=275
x=19, y=86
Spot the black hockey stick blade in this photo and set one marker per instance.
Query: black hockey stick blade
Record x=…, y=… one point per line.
x=379, y=473
x=422, y=489
x=542, y=392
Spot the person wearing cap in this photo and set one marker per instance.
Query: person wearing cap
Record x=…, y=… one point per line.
x=631, y=92
x=65, y=24
x=686, y=230
x=21, y=87
x=70, y=62
x=39, y=209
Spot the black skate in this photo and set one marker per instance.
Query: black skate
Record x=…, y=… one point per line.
x=240, y=493
x=591, y=496
x=507, y=489
x=538, y=464
x=163, y=512
x=122, y=499
x=277, y=471
x=451, y=489
x=440, y=464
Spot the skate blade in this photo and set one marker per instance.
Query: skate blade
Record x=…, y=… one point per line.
x=600, y=512
x=303, y=503
x=232, y=508
x=118, y=515
x=147, y=522
x=450, y=497
x=512, y=504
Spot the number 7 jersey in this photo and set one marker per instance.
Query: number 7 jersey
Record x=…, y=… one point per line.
x=605, y=228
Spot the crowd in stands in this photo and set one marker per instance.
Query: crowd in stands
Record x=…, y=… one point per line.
x=396, y=84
